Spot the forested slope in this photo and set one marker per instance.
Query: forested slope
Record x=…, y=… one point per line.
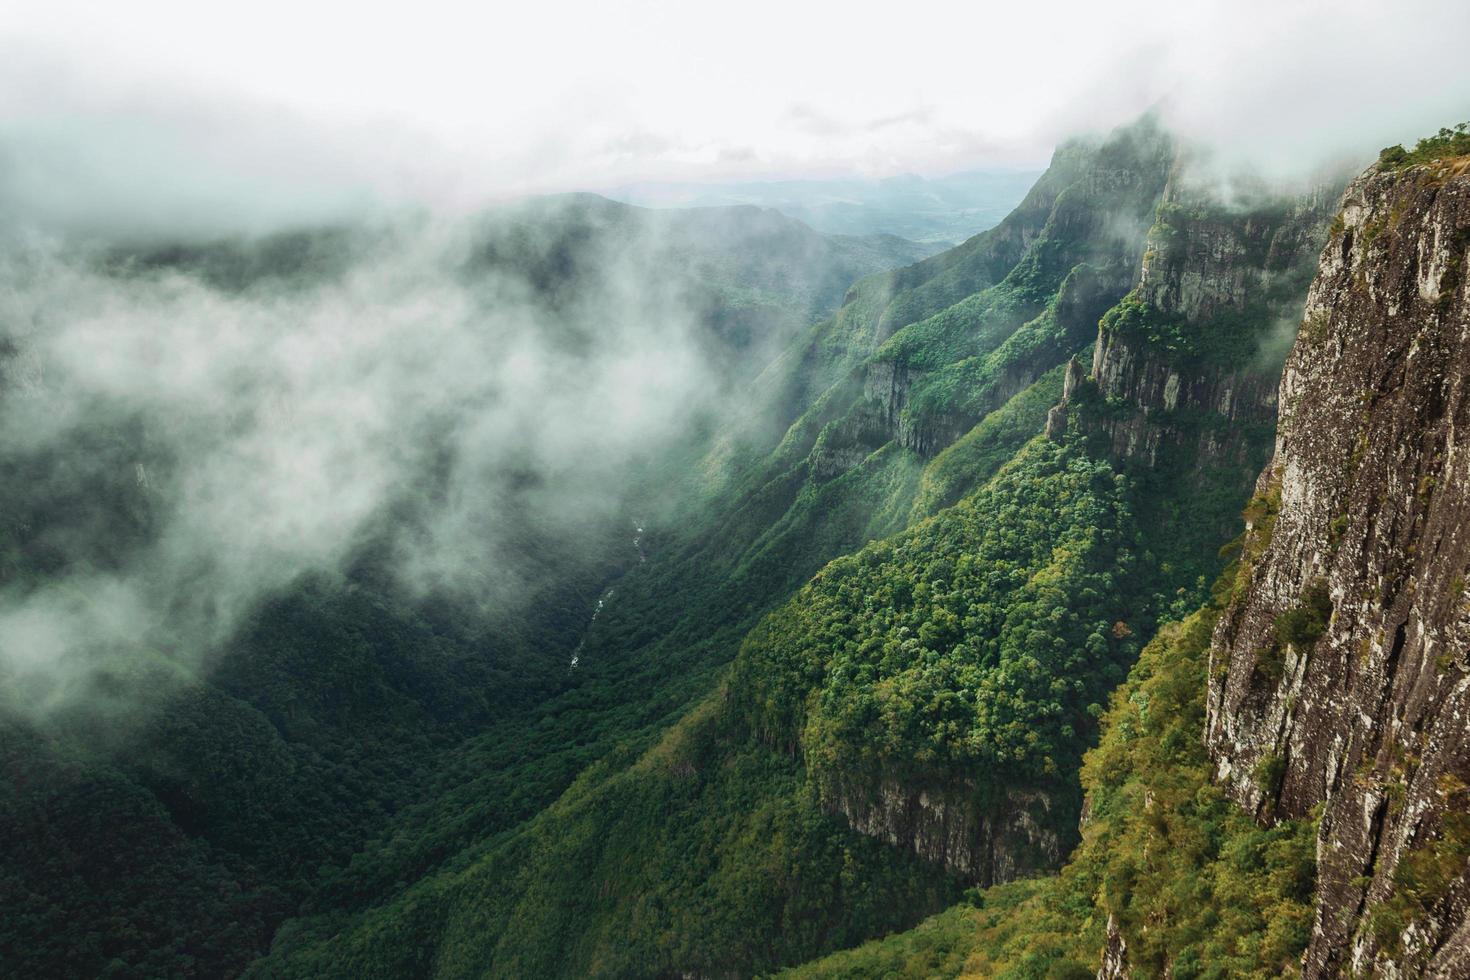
x=935, y=689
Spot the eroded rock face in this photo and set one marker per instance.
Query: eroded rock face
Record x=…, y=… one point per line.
x=886, y=387
x=997, y=842
x=850, y=441
x=1340, y=675
x=1115, y=954
x=1215, y=272
x=1156, y=388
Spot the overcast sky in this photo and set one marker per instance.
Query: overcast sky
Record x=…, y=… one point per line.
x=162, y=111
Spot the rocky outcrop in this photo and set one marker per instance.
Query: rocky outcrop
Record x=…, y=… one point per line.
x=1169, y=404
x=1115, y=954
x=997, y=842
x=886, y=387
x=844, y=443
x=1340, y=673
x=1056, y=418
x=1191, y=359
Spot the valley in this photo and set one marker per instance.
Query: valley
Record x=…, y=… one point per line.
x=1085, y=599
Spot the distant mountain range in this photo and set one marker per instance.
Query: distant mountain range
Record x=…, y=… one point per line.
x=944, y=210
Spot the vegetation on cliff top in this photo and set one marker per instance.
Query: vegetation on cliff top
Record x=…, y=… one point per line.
x=973, y=643
x=1444, y=144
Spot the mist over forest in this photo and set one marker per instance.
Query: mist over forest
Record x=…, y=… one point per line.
x=194, y=426
x=653, y=491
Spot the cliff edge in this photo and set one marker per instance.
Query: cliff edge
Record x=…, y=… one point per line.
x=1340, y=671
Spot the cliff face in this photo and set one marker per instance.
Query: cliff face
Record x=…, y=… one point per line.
x=1011, y=837
x=886, y=387
x=1191, y=358
x=1340, y=673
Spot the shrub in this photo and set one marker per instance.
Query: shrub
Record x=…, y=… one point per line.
x=1446, y=143
x=1269, y=772
x=1303, y=624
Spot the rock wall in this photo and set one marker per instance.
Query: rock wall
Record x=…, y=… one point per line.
x=1340, y=673
x=1159, y=393
x=1115, y=954
x=886, y=387
x=1232, y=281
x=987, y=842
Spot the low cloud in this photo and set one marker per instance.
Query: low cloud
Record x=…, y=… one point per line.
x=151, y=117
x=177, y=449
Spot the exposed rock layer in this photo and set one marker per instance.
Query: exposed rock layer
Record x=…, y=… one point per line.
x=1001, y=842
x=1368, y=713
x=1214, y=271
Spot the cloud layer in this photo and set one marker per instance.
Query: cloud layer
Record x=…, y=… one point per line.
x=164, y=112
x=176, y=449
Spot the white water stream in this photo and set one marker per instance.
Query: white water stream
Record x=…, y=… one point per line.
x=602, y=600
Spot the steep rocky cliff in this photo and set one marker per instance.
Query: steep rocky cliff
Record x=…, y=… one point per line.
x=1012, y=835
x=1340, y=672
x=1189, y=360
